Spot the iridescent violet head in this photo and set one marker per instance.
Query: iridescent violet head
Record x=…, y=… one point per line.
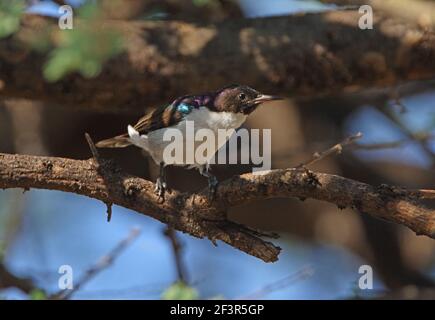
x=240, y=99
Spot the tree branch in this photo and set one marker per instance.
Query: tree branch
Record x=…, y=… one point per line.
x=9, y=280
x=337, y=148
x=176, y=251
x=301, y=54
x=196, y=215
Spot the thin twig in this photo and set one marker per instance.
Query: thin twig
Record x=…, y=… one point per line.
x=101, y=265
x=97, y=160
x=397, y=101
x=289, y=280
x=423, y=193
x=9, y=280
x=258, y=232
x=93, y=148
x=334, y=149
x=109, y=211
x=418, y=137
x=177, y=252
x=379, y=146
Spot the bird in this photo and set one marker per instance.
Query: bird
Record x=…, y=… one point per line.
x=226, y=108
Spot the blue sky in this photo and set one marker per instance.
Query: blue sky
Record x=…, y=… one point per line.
x=61, y=228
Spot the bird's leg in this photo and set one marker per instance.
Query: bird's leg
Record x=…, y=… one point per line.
x=161, y=185
x=212, y=181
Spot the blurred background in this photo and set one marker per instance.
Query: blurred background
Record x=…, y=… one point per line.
x=322, y=246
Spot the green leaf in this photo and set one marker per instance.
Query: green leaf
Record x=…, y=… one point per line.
x=38, y=294
x=89, y=10
x=85, y=48
x=10, y=16
x=62, y=61
x=180, y=291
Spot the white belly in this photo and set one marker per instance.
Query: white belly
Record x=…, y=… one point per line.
x=201, y=118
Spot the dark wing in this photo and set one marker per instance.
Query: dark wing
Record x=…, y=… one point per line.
x=162, y=117
x=165, y=116
x=159, y=118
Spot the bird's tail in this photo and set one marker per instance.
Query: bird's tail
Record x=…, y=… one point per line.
x=120, y=141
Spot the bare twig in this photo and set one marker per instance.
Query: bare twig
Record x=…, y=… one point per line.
x=104, y=262
x=97, y=160
x=379, y=146
x=420, y=136
x=396, y=100
x=333, y=150
x=9, y=280
x=424, y=137
x=93, y=148
x=423, y=193
x=421, y=139
x=177, y=252
x=109, y=211
x=283, y=283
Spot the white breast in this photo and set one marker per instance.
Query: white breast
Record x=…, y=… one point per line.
x=202, y=118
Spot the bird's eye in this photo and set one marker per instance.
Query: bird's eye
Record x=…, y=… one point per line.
x=242, y=96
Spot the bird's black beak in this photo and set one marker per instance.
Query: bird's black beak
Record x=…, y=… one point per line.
x=265, y=98
x=254, y=103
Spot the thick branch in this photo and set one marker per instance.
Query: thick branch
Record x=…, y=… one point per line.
x=196, y=215
x=302, y=54
x=108, y=183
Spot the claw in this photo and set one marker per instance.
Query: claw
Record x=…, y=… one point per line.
x=161, y=185
x=160, y=189
x=212, y=182
x=212, y=187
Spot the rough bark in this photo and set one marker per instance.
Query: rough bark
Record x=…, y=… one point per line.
x=294, y=55
x=196, y=215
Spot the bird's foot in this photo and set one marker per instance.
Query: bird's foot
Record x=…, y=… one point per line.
x=212, y=187
x=160, y=189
